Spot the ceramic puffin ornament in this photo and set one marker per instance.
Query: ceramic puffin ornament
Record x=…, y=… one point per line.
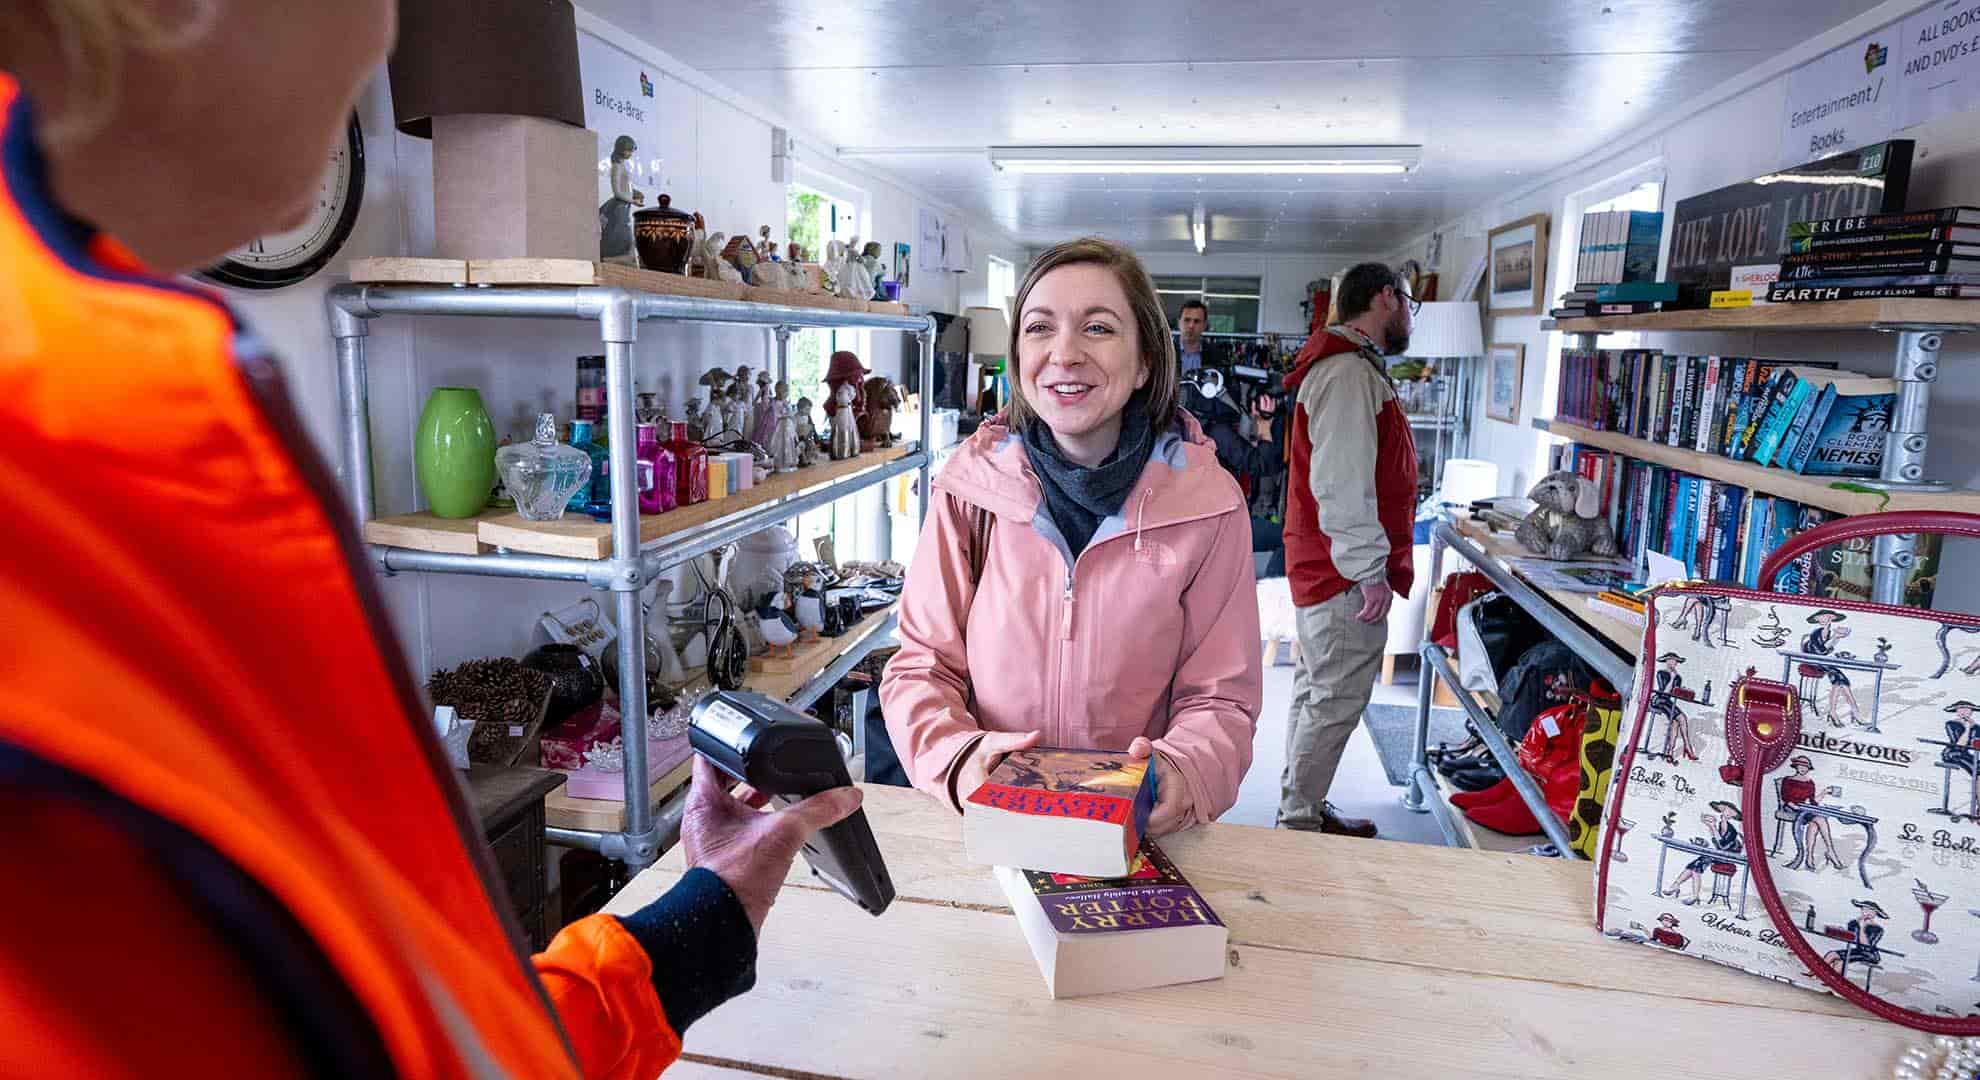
x=778, y=629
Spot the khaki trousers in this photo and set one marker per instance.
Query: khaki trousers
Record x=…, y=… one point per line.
x=1339, y=657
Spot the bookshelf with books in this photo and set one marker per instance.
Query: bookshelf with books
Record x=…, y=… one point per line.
x=1798, y=432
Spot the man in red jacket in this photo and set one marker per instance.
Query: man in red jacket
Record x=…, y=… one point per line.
x=1350, y=502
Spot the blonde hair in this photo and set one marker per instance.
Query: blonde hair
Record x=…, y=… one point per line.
x=91, y=38
x=1158, y=353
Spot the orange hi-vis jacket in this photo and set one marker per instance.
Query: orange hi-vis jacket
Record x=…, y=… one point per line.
x=213, y=768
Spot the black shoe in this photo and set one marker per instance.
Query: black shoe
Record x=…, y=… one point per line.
x=1477, y=779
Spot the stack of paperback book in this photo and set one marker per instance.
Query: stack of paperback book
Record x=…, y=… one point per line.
x=1616, y=266
x=1803, y=416
x=1101, y=905
x=1922, y=253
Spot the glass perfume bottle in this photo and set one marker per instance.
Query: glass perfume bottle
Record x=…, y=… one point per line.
x=656, y=472
x=599, y=490
x=690, y=465
x=541, y=475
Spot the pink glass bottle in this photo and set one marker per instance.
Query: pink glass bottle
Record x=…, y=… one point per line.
x=656, y=472
x=691, y=466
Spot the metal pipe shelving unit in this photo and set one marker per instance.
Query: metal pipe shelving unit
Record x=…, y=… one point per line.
x=618, y=312
x=1419, y=792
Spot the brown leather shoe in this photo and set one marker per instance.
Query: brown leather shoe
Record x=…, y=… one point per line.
x=1333, y=823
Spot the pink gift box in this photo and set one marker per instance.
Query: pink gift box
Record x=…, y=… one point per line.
x=662, y=757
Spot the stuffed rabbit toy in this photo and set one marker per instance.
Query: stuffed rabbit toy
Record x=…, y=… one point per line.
x=1568, y=521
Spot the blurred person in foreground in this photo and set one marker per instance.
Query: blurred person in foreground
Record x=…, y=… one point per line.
x=210, y=743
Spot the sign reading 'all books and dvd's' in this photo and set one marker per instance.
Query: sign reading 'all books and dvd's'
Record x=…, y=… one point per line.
x=1897, y=76
x=1747, y=224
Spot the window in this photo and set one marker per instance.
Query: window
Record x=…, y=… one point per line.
x=1641, y=188
x=1002, y=288
x=818, y=217
x=1233, y=301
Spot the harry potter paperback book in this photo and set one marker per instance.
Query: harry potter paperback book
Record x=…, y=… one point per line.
x=1065, y=811
x=1145, y=929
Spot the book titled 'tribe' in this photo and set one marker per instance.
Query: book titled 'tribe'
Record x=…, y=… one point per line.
x=1065, y=811
x=1145, y=929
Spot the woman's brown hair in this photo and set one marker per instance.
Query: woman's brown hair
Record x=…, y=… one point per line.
x=1151, y=325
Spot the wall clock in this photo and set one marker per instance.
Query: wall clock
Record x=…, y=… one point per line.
x=279, y=259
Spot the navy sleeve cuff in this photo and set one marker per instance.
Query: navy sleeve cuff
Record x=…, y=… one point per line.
x=701, y=943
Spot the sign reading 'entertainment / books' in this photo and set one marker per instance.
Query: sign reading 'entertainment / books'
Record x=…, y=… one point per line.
x=1901, y=74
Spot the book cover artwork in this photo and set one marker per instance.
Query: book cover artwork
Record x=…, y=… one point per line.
x=1852, y=438
x=1065, y=783
x=1153, y=895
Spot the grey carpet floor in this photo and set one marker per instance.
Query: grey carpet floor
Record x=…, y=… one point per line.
x=1393, y=728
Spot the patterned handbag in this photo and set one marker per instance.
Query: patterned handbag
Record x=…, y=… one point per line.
x=1601, y=722
x=1797, y=791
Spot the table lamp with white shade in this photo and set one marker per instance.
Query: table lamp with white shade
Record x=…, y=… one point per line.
x=1447, y=331
x=989, y=340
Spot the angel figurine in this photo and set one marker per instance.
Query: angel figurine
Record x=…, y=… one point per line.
x=764, y=423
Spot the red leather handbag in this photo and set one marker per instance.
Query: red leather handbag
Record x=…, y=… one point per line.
x=1797, y=789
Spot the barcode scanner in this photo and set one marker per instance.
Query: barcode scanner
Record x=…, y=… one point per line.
x=787, y=755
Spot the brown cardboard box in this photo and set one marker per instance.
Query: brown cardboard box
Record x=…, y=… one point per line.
x=511, y=187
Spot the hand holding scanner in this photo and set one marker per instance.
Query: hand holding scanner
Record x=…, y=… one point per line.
x=787, y=755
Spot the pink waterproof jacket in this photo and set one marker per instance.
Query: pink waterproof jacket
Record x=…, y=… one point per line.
x=1152, y=631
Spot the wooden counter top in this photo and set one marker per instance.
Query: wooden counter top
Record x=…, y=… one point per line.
x=1349, y=958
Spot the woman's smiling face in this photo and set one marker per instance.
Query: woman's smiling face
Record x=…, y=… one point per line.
x=1079, y=358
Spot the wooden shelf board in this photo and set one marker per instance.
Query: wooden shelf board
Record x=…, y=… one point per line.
x=608, y=815
x=425, y=531
x=578, y=536
x=1503, y=547
x=581, y=273
x=1811, y=490
x=814, y=658
x=1837, y=315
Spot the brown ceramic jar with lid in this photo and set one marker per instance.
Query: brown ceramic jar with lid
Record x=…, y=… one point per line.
x=663, y=237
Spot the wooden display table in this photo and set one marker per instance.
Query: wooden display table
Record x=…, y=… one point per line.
x=1349, y=958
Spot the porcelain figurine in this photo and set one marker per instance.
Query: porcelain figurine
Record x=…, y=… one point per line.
x=766, y=248
x=615, y=236
x=869, y=257
x=845, y=424
x=741, y=387
x=717, y=267
x=876, y=424
x=786, y=452
x=739, y=253
x=763, y=422
x=693, y=414
x=833, y=264
x=776, y=627
x=736, y=409
x=807, y=434
x=713, y=418
x=793, y=253
x=855, y=279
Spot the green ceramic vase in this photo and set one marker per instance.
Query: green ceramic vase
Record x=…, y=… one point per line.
x=454, y=452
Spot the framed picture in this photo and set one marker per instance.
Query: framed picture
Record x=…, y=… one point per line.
x=1504, y=364
x=903, y=266
x=1516, y=274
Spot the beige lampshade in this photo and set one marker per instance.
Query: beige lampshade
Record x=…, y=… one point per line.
x=989, y=331
x=1446, y=328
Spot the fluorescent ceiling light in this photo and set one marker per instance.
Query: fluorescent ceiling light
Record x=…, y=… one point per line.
x=1205, y=160
x=1199, y=229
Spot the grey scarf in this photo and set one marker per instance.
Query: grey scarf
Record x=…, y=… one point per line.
x=1079, y=498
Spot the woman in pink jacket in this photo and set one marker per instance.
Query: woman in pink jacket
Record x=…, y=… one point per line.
x=1084, y=578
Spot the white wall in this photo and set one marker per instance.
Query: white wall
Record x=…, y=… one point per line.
x=1283, y=278
x=717, y=147
x=1728, y=135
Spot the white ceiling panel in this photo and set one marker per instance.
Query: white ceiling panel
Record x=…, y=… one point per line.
x=1493, y=90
